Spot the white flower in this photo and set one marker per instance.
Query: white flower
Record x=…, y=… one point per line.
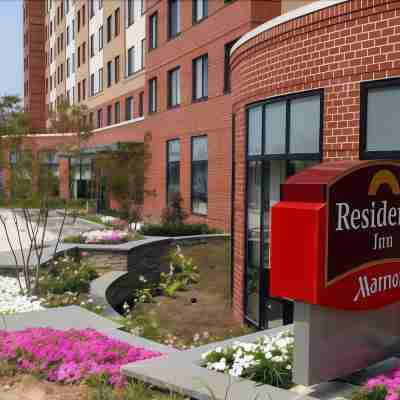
x=12, y=301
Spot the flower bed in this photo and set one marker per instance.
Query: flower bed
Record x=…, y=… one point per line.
x=382, y=387
x=107, y=236
x=70, y=357
x=13, y=301
x=269, y=360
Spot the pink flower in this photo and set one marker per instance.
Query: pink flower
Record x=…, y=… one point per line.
x=71, y=356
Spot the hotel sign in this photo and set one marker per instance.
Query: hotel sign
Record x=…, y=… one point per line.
x=335, y=238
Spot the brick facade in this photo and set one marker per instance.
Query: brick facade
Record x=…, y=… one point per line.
x=34, y=63
x=335, y=49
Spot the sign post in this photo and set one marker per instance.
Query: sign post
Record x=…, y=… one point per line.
x=335, y=250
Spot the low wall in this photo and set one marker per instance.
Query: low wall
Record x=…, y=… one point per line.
x=148, y=260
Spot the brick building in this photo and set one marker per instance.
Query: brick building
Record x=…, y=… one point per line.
x=237, y=95
x=317, y=84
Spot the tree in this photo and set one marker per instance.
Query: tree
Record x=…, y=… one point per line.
x=24, y=227
x=126, y=172
x=73, y=119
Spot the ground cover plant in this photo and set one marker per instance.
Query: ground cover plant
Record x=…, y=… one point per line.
x=106, y=236
x=70, y=356
x=382, y=387
x=268, y=361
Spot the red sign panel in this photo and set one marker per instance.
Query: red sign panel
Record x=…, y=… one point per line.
x=343, y=222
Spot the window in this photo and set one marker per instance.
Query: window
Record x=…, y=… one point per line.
x=174, y=91
x=68, y=67
x=227, y=66
x=79, y=20
x=380, y=119
x=79, y=56
x=68, y=35
x=141, y=104
x=101, y=38
x=279, y=145
x=130, y=12
x=109, y=115
x=73, y=63
x=200, y=78
x=92, y=91
x=83, y=52
x=92, y=48
x=79, y=92
x=84, y=89
x=143, y=53
x=109, y=73
x=129, y=108
x=117, y=112
x=200, y=175
x=131, y=61
x=173, y=169
x=109, y=28
x=153, y=95
x=269, y=135
x=153, y=31
x=174, y=19
x=101, y=77
x=117, y=69
x=100, y=4
x=83, y=15
x=91, y=9
x=117, y=23
x=200, y=10
x=73, y=29
x=99, y=118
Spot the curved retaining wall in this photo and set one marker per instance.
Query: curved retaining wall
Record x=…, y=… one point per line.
x=329, y=45
x=149, y=259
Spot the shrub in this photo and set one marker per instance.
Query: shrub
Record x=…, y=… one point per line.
x=71, y=356
x=267, y=361
x=67, y=276
x=174, y=213
x=177, y=230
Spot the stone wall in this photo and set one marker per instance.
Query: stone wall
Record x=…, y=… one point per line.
x=109, y=260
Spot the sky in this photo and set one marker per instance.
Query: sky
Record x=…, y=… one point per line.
x=11, y=60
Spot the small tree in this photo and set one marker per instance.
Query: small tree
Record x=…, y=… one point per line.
x=17, y=156
x=174, y=214
x=126, y=171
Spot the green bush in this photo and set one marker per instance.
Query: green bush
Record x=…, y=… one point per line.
x=67, y=275
x=74, y=239
x=177, y=230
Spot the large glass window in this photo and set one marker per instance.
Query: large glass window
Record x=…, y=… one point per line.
x=380, y=119
x=200, y=78
x=200, y=175
x=173, y=168
x=174, y=27
x=174, y=88
x=283, y=138
x=81, y=178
